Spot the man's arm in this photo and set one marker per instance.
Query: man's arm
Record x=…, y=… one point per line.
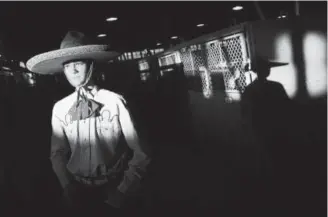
x=140, y=159
x=59, y=151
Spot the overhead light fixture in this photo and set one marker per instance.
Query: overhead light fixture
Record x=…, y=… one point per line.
x=174, y=37
x=237, y=8
x=101, y=35
x=158, y=44
x=111, y=19
x=200, y=25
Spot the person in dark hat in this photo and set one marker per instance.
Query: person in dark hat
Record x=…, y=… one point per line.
x=92, y=130
x=262, y=94
x=264, y=106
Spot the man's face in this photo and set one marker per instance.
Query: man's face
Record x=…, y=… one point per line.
x=76, y=72
x=263, y=71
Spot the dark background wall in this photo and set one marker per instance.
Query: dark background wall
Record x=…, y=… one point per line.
x=232, y=161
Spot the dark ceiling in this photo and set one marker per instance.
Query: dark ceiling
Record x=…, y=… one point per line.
x=28, y=28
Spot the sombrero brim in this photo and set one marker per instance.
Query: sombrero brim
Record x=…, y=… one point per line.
x=271, y=63
x=52, y=62
x=276, y=64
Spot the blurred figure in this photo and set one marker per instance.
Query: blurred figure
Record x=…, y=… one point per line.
x=265, y=106
x=263, y=100
x=92, y=132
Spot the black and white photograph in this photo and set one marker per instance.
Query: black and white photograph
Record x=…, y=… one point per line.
x=162, y=109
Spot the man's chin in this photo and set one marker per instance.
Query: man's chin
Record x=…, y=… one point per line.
x=77, y=84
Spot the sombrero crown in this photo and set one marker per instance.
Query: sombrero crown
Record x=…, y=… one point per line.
x=74, y=46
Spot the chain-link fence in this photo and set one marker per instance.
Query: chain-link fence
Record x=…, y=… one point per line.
x=226, y=56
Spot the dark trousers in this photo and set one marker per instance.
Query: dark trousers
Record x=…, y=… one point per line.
x=87, y=200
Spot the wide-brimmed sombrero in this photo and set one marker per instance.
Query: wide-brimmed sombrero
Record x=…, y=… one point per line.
x=269, y=62
x=263, y=61
x=74, y=46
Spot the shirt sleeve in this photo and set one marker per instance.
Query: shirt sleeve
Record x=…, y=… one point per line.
x=140, y=160
x=60, y=151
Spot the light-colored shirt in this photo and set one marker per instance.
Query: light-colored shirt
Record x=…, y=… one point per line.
x=91, y=147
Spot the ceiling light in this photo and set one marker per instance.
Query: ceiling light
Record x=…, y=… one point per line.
x=158, y=44
x=174, y=37
x=111, y=19
x=200, y=25
x=101, y=35
x=237, y=8
x=283, y=16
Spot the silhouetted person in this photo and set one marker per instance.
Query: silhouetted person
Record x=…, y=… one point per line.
x=265, y=106
x=263, y=100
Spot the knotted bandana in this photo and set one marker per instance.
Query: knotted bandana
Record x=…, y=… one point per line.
x=84, y=108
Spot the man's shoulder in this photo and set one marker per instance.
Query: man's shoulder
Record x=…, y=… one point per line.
x=63, y=105
x=110, y=96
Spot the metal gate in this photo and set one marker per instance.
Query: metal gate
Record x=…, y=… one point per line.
x=225, y=55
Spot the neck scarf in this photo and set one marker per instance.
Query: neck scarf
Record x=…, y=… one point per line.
x=84, y=107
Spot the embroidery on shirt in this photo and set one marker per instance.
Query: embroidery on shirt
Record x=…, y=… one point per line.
x=68, y=119
x=105, y=115
x=106, y=120
x=108, y=126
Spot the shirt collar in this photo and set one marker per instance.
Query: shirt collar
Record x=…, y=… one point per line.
x=89, y=91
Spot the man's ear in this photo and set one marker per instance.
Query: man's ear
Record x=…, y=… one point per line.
x=91, y=63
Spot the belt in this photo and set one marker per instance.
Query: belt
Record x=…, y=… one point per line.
x=113, y=174
x=92, y=181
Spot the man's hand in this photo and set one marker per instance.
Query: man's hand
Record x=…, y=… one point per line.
x=115, y=198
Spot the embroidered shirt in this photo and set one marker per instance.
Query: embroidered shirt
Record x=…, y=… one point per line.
x=91, y=147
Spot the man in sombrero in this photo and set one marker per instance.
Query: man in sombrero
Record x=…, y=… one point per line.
x=264, y=107
x=93, y=131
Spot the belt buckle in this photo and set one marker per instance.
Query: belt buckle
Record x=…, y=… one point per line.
x=87, y=181
x=92, y=181
x=84, y=180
